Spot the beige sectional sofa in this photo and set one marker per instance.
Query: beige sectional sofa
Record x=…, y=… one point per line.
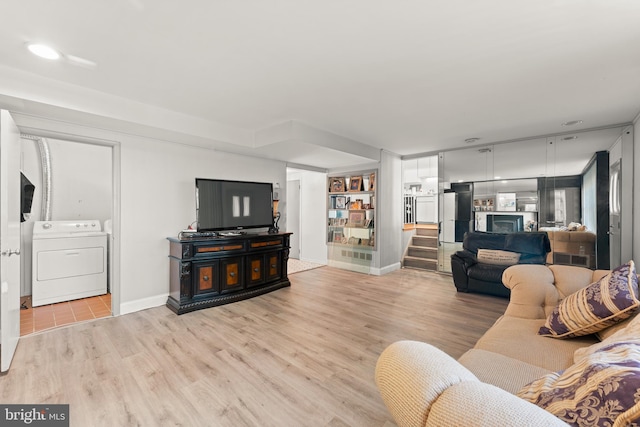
x=423, y=386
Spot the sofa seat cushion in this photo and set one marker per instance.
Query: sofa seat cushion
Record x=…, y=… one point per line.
x=505, y=372
x=518, y=338
x=487, y=272
x=481, y=240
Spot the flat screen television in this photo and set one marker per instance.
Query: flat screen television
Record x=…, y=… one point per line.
x=233, y=205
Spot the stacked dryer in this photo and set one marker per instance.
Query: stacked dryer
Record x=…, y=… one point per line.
x=69, y=261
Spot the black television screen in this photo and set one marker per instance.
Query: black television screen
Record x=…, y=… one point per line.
x=233, y=205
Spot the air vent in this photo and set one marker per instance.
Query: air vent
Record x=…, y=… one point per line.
x=366, y=256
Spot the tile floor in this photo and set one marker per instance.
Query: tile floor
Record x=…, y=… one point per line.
x=36, y=319
x=295, y=265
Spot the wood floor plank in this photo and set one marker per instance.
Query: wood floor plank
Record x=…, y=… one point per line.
x=303, y=355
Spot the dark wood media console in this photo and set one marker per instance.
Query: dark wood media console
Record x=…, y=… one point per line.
x=207, y=272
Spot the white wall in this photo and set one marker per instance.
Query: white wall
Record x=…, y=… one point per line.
x=313, y=212
x=158, y=201
x=390, y=212
x=81, y=179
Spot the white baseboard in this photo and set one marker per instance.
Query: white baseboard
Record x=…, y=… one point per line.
x=143, y=304
x=315, y=261
x=389, y=268
x=365, y=269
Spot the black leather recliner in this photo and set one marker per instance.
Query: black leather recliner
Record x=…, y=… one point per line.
x=469, y=275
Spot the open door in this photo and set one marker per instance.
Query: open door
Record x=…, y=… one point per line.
x=9, y=239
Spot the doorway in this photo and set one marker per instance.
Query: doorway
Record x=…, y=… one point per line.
x=83, y=187
x=305, y=206
x=293, y=217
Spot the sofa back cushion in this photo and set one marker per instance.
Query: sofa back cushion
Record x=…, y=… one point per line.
x=533, y=246
x=482, y=240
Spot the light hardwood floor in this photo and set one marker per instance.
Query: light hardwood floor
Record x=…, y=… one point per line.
x=299, y=356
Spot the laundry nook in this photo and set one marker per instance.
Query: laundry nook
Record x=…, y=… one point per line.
x=66, y=207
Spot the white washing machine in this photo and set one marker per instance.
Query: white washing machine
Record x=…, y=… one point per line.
x=69, y=261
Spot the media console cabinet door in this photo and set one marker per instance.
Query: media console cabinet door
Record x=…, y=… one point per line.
x=206, y=278
x=255, y=274
x=232, y=275
x=274, y=263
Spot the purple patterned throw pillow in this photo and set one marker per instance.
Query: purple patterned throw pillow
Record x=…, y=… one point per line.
x=596, y=307
x=602, y=389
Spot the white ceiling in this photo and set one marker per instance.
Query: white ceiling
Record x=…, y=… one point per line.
x=409, y=77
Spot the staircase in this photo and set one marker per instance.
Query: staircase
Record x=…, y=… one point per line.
x=422, y=252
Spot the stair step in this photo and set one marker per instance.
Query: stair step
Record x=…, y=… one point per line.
x=431, y=232
x=428, y=241
x=421, y=263
x=423, y=252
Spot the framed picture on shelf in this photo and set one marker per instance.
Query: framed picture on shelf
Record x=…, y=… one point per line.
x=372, y=182
x=336, y=184
x=506, y=201
x=341, y=202
x=337, y=236
x=356, y=183
x=356, y=219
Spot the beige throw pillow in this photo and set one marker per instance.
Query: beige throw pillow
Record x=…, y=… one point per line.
x=497, y=257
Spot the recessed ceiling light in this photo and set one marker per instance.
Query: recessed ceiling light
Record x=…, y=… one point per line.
x=496, y=177
x=471, y=140
x=569, y=138
x=461, y=180
x=43, y=51
x=572, y=123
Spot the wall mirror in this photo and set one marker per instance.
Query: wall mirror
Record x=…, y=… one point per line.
x=533, y=170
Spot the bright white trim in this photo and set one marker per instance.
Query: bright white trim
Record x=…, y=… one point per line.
x=365, y=269
x=389, y=268
x=143, y=303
